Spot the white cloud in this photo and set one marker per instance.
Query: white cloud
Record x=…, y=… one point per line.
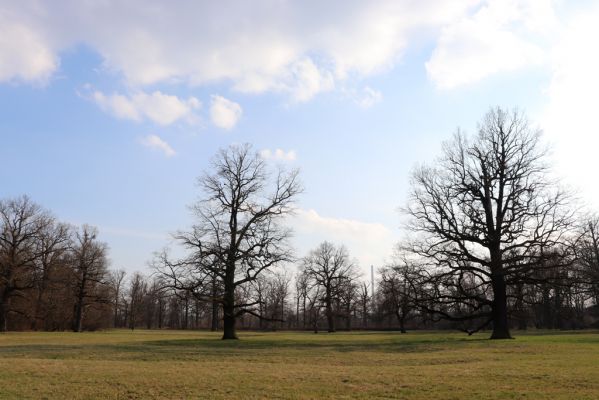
x=369, y=243
x=497, y=38
x=224, y=113
x=570, y=118
x=24, y=54
x=298, y=48
x=155, y=142
x=278, y=154
x=158, y=107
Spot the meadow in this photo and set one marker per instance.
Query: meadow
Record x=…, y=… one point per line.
x=121, y=364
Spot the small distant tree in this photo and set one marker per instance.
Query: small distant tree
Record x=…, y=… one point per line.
x=330, y=268
x=398, y=291
x=364, y=300
x=88, y=273
x=136, y=293
x=116, y=278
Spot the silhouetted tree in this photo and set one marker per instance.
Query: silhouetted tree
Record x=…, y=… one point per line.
x=329, y=267
x=484, y=218
x=88, y=273
x=237, y=234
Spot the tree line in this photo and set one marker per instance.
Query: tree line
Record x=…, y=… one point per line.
x=492, y=241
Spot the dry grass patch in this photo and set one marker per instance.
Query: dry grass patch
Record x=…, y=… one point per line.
x=178, y=365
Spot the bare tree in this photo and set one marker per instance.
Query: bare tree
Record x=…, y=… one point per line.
x=277, y=292
x=136, y=293
x=238, y=232
x=364, y=301
x=486, y=216
x=302, y=287
x=397, y=287
x=22, y=223
x=52, y=249
x=587, y=248
x=116, y=282
x=329, y=267
x=89, y=270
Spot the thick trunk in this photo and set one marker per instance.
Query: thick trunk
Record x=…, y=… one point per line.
x=229, y=322
x=402, y=327
x=77, y=322
x=500, y=318
x=229, y=309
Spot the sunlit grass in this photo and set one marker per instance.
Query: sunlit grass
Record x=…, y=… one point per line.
x=178, y=364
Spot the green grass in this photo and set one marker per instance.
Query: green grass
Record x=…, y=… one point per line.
x=179, y=365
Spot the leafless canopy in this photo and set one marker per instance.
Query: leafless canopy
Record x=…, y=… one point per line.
x=486, y=216
x=330, y=270
x=238, y=232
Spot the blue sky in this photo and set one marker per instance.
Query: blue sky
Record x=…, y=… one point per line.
x=109, y=112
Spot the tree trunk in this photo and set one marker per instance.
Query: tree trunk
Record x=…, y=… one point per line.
x=77, y=323
x=229, y=309
x=500, y=318
x=229, y=321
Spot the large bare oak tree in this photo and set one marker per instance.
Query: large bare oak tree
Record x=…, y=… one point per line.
x=485, y=217
x=238, y=232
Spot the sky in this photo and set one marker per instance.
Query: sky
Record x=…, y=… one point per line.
x=110, y=110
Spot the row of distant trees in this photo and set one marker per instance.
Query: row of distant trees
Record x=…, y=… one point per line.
x=493, y=242
x=58, y=280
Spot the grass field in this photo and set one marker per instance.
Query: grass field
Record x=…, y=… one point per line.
x=182, y=364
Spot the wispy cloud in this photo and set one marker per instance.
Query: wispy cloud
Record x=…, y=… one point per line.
x=155, y=142
x=366, y=97
x=278, y=154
